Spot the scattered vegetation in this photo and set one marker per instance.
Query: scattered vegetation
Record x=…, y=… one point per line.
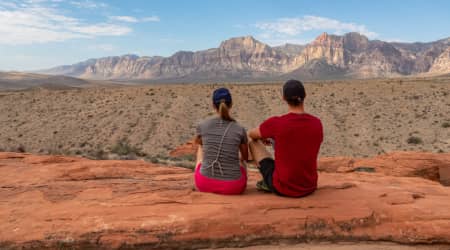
x=414, y=140
x=189, y=157
x=185, y=161
x=21, y=149
x=186, y=165
x=124, y=148
x=152, y=159
x=98, y=154
x=446, y=125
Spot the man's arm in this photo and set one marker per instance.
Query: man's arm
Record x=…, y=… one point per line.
x=255, y=134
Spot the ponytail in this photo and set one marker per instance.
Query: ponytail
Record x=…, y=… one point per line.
x=224, y=111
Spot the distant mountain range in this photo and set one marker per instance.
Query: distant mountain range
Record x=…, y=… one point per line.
x=245, y=58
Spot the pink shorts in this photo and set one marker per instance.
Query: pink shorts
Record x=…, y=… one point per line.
x=210, y=185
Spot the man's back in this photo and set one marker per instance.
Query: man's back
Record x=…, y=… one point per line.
x=297, y=143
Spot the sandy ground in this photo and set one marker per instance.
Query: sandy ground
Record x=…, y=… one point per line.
x=360, y=118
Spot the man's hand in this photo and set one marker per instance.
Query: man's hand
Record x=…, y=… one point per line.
x=266, y=142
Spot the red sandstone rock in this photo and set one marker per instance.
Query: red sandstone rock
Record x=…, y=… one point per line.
x=189, y=148
x=444, y=174
x=420, y=164
x=57, y=202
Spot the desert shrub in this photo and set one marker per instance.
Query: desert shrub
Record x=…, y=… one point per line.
x=446, y=125
x=414, y=140
x=20, y=149
x=163, y=157
x=189, y=157
x=152, y=159
x=94, y=154
x=123, y=147
x=186, y=165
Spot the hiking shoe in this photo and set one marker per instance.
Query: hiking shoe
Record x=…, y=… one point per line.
x=262, y=186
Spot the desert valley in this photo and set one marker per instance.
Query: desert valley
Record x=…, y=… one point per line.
x=361, y=117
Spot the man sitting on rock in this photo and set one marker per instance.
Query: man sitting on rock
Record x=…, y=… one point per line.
x=296, y=137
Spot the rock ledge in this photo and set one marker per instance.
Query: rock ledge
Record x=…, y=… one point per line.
x=57, y=202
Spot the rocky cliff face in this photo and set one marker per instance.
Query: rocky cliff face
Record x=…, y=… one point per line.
x=290, y=49
x=328, y=47
x=442, y=64
x=349, y=56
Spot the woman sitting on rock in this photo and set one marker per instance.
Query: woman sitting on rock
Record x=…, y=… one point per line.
x=219, y=168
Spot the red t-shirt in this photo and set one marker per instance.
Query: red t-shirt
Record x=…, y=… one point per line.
x=297, y=143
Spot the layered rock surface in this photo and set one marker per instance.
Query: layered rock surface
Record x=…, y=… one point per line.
x=57, y=202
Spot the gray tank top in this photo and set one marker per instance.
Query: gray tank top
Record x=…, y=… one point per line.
x=221, y=140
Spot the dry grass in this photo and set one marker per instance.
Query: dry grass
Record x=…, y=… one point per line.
x=361, y=118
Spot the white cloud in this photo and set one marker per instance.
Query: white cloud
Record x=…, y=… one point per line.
x=128, y=19
x=101, y=29
x=396, y=40
x=151, y=19
x=87, y=4
x=291, y=27
x=29, y=22
x=131, y=19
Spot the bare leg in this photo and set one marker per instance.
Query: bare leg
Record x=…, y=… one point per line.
x=199, y=155
x=258, y=151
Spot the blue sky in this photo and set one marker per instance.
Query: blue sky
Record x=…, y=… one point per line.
x=37, y=34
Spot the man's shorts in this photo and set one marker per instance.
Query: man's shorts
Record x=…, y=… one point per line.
x=266, y=167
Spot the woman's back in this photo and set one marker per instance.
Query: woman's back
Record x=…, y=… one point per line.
x=221, y=156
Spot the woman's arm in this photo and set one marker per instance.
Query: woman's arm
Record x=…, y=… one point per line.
x=199, y=155
x=243, y=148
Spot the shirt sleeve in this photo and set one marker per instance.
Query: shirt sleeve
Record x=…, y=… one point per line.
x=268, y=128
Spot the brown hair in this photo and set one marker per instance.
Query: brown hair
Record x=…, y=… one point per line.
x=224, y=110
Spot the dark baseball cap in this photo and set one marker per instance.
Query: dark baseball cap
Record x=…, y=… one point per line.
x=293, y=90
x=221, y=94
